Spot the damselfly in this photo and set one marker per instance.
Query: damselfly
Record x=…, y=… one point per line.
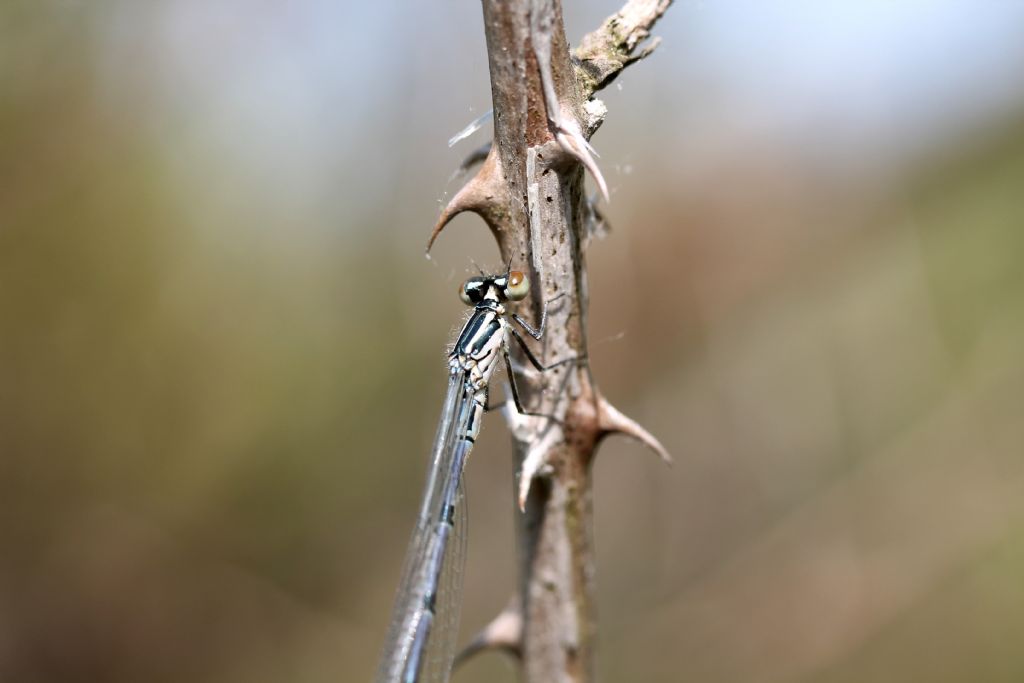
x=421, y=639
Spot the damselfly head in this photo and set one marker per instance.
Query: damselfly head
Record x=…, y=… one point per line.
x=512, y=286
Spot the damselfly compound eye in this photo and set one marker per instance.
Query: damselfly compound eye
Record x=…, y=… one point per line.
x=518, y=286
x=473, y=291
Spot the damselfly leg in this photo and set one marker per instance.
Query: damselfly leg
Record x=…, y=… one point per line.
x=539, y=332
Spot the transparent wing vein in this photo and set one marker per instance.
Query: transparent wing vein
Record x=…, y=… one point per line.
x=421, y=639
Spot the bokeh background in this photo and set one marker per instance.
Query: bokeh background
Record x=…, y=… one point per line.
x=222, y=351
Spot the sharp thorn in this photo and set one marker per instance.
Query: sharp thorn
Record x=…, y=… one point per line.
x=611, y=420
x=573, y=142
x=481, y=194
x=504, y=633
x=535, y=463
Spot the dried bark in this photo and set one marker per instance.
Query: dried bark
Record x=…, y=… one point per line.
x=530, y=192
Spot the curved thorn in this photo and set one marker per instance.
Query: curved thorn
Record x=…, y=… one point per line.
x=573, y=142
x=536, y=463
x=464, y=200
x=504, y=633
x=481, y=194
x=611, y=420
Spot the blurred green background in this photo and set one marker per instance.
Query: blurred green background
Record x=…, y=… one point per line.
x=222, y=351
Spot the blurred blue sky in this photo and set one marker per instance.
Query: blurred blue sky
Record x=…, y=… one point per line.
x=282, y=91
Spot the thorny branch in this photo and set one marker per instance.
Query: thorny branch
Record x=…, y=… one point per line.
x=530, y=192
